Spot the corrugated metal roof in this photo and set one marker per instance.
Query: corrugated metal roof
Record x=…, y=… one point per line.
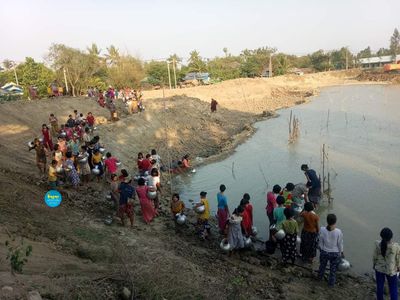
x=378, y=59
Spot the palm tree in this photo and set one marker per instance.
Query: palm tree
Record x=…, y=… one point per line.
x=94, y=50
x=112, y=57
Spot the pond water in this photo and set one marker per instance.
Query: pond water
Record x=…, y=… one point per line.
x=362, y=141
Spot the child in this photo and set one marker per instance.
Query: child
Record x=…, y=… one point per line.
x=202, y=220
x=90, y=120
x=47, y=140
x=54, y=125
x=53, y=175
x=287, y=194
x=271, y=202
x=146, y=205
x=70, y=122
x=291, y=228
x=279, y=215
x=145, y=165
x=185, y=161
x=223, y=210
x=114, y=191
x=247, y=222
x=126, y=196
x=110, y=165
x=235, y=236
x=97, y=162
x=62, y=145
x=177, y=206
x=157, y=158
x=84, y=168
x=154, y=183
x=139, y=162
x=86, y=138
x=72, y=173
x=58, y=155
x=40, y=155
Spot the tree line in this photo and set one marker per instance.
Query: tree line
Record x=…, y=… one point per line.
x=93, y=67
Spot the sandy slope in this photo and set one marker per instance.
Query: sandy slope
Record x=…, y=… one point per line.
x=259, y=94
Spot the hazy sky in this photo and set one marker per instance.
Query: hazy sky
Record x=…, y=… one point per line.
x=154, y=29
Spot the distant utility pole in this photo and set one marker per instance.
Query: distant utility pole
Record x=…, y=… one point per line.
x=16, y=77
x=270, y=66
x=14, y=64
x=66, y=83
x=347, y=59
x=169, y=76
x=173, y=68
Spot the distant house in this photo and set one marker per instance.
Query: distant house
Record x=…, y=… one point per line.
x=265, y=72
x=203, y=77
x=377, y=61
x=12, y=88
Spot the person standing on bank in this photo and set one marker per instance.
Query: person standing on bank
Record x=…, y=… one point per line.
x=331, y=249
x=271, y=202
x=214, y=104
x=223, y=210
x=313, y=184
x=386, y=263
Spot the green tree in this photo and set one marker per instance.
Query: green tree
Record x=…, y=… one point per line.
x=126, y=72
x=112, y=55
x=365, y=53
x=79, y=67
x=280, y=64
x=255, y=61
x=94, y=50
x=196, y=63
x=31, y=73
x=224, y=68
x=320, y=60
x=395, y=44
x=383, y=52
x=156, y=72
x=339, y=58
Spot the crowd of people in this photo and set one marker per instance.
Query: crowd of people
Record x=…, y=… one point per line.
x=132, y=98
x=77, y=157
x=286, y=209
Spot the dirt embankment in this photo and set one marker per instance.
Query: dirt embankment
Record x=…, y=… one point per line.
x=259, y=94
x=379, y=76
x=76, y=256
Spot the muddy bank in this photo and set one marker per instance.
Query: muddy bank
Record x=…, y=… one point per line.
x=75, y=255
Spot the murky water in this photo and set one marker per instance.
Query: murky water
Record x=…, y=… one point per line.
x=362, y=137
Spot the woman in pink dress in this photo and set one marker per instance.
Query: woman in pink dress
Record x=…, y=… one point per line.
x=146, y=204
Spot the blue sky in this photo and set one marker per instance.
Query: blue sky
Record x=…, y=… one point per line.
x=155, y=29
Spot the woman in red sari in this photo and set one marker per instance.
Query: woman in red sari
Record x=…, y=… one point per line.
x=247, y=221
x=146, y=204
x=47, y=142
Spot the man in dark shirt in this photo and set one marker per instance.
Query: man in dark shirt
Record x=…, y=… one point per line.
x=313, y=184
x=71, y=122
